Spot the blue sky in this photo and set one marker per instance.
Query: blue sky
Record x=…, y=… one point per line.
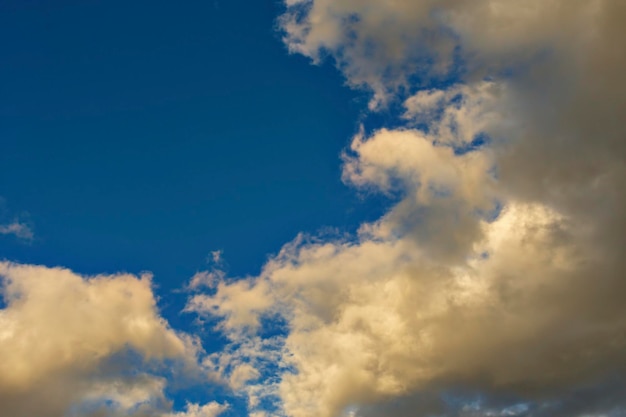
x=142, y=136
x=349, y=208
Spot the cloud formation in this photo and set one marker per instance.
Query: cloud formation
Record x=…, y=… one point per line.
x=212, y=409
x=17, y=229
x=86, y=346
x=501, y=267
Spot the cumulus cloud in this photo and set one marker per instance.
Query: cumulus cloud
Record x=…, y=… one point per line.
x=384, y=45
x=499, y=269
x=501, y=266
x=382, y=317
x=74, y=345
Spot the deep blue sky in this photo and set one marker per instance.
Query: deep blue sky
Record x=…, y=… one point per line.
x=141, y=135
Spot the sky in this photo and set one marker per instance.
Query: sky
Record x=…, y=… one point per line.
x=329, y=208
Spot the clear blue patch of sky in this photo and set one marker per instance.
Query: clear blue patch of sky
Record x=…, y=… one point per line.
x=141, y=135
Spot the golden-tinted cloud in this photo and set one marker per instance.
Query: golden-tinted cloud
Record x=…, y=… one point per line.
x=74, y=345
x=501, y=266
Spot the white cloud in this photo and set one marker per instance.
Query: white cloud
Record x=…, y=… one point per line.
x=500, y=267
x=69, y=343
x=216, y=257
x=382, y=318
x=381, y=45
x=207, y=279
x=212, y=409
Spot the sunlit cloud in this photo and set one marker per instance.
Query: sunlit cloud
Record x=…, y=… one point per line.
x=492, y=286
x=75, y=345
x=498, y=268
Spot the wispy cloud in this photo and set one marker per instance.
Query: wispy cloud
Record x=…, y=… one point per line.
x=17, y=229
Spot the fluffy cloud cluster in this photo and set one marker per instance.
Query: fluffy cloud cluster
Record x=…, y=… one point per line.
x=501, y=267
x=385, y=45
x=499, y=270
x=76, y=346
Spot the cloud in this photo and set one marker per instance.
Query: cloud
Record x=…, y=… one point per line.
x=383, y=317
x=212, y=409
x=383, y=46
x=74, y=345
x=207, y=279
x=499, y=269
x=604, y=399
x=501, y=266
x=18, y=229
x=216, y=257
